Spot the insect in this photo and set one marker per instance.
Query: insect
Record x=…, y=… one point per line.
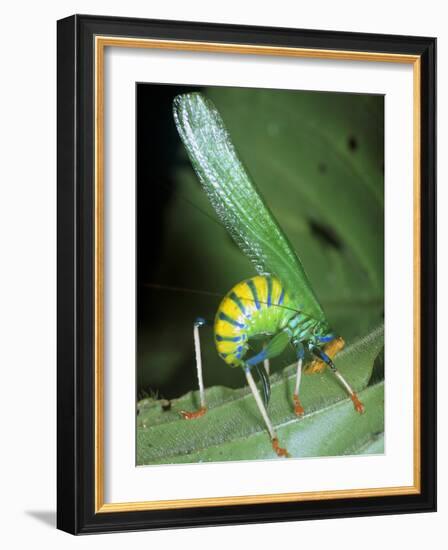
x=278, y=304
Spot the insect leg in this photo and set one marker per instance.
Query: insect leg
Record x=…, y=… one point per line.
x=359, y=407
x=298, y=408
x=255, y=361
x=274, y=438
x=272, y=349
x=331, y=349
x=200, y=322
x=266, y=363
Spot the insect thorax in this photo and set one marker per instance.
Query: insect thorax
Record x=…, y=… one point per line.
x=303, y=328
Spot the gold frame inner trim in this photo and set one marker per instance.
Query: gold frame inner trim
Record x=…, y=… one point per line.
x=101, y=42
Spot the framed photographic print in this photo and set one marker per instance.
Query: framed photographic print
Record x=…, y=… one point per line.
x=246, y=274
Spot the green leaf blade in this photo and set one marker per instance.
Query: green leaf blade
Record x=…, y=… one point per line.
x=233, y=430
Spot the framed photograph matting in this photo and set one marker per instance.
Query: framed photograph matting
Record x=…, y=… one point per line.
x=246, y=274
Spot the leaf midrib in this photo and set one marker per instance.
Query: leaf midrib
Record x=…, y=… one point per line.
x=257, y=432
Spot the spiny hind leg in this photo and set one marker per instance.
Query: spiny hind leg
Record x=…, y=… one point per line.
x=266, y=364
x=280, y=451
x=190, y=415
x=359, y=407
x=273, y=348
x=298, y=408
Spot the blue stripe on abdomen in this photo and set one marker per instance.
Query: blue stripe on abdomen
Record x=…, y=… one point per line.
x=220, y=338
x=269, y=283
x=282, y=297
x=253, y=289
x=238, y=302
x=224, y=317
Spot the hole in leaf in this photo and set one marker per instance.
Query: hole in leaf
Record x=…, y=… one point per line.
x=325, y=234
x=166, y=405
x=322, y=167
x=352, y=143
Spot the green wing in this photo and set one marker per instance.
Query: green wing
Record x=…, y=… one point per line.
x=237, y=201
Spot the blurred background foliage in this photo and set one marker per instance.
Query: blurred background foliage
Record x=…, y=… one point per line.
x=318, y=159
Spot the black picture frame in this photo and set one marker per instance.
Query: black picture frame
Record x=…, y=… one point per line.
x=76, y=511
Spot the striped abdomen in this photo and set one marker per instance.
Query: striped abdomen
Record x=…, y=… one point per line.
x=256, y=306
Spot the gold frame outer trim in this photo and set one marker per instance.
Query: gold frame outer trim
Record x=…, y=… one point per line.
x=101, y=42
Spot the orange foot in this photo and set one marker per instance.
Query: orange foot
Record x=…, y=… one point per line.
x=298, y=409
x=359, y=407
x=279, y=450
x=194, y=414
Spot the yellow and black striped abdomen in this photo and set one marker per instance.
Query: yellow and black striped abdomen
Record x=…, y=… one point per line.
x=255, y=306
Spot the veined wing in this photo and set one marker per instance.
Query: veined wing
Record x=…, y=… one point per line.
x=236, y=200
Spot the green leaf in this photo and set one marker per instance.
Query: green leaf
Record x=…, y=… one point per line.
x=232, y=429
x=374, y=445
